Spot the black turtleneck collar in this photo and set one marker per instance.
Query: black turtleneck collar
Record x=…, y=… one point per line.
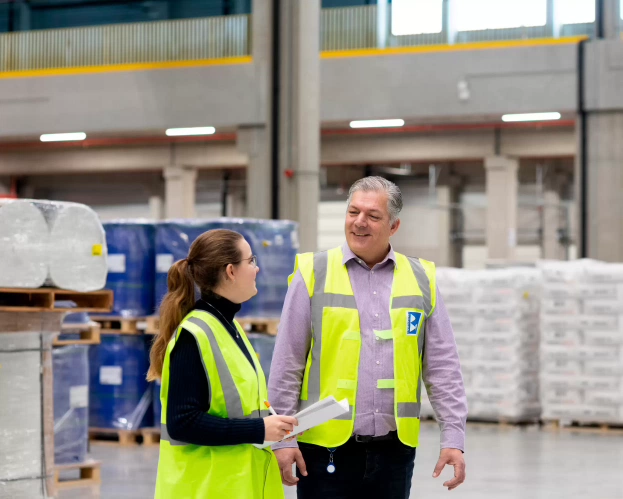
x=223, y=305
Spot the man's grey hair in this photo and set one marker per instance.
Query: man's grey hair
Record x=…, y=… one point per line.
x=380, y=184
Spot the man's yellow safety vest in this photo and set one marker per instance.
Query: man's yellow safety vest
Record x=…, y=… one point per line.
x=333, y=360
x=236, y=391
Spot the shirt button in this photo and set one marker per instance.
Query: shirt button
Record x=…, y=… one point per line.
x=359, y=261
x=374, y=292
x=376, y=315
x=377, y=338
x=378, y=362
x=373, y=271
x=376, y=410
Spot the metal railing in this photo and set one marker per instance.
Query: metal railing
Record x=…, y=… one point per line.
x=154, y=42
x=352, y=28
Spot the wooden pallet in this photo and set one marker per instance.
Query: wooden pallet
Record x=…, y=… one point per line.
x=259, y=325
x=151, y=436
x=89, y=334
x=582, y=427
x=90, y=475
x=153, y=324
x=146, y=436
x=120, y=325
x=43, y=300
x=118, y=437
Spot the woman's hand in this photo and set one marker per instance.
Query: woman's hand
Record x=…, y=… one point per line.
x=278, y=427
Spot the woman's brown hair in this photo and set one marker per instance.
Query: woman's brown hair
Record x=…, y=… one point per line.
x=204, y=268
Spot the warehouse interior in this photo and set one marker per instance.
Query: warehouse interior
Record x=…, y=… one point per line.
x=130, y=127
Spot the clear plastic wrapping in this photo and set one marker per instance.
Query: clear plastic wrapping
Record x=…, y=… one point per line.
x=71, y=404
x=26, y=425
x=63, y=243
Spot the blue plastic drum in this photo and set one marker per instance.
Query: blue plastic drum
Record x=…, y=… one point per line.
x=131, y=266
x=120, y=396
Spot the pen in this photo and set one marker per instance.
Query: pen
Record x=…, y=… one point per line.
x=272, y=411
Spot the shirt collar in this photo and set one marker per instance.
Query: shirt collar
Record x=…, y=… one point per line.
x=348, y=255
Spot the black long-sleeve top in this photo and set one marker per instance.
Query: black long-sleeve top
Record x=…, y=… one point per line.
x=189, y=391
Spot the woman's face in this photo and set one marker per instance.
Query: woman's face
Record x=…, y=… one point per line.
x=243, y=276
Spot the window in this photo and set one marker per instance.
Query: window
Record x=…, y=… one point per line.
x=416, y=17
x=575, y=11
x=471, y=15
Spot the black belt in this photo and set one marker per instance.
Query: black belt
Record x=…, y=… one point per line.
x=366, y=439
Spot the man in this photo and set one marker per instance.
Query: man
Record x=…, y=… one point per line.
x=365, y=323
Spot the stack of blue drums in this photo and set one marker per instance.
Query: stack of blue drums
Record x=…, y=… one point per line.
x=120, y=394
x=131, y=266
x=71, y=403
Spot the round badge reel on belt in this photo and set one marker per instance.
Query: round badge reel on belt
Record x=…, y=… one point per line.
x=331, y=466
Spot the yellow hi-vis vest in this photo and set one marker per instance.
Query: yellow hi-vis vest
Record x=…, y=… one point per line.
x=333, y=360
x=236, y=391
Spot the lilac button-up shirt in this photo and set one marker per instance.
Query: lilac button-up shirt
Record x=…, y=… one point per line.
x=375, y=407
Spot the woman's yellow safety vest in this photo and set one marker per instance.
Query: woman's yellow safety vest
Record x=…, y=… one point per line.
x=236, y=391
x=333, y=360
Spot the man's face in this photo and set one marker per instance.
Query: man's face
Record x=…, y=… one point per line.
x=368, y=226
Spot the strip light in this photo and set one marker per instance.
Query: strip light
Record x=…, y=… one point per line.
x=531, y=117
x=376, y=123
x=62, y=137
x=198, y=130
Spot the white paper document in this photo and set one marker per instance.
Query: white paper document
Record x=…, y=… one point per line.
x=316, y=414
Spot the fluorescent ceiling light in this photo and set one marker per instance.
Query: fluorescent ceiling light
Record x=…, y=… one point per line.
x=531, y=117
x=198, y=130
x=376, y=123
x=62, y=137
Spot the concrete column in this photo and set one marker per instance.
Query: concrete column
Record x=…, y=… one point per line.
x=612, y=19
x=180, y=191
x=254, y=141
x=502, y=186
x=299, y=186
x=605, y=186
x=553, y=219
x=382, y=24
x=449, y=253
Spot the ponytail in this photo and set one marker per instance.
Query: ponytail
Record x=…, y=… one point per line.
x=176, y=304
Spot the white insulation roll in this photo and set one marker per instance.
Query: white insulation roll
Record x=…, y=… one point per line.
x=77, y=246
x=24, y=240
x=51, y=243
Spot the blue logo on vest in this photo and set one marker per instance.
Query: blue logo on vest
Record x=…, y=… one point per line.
x=413, y=323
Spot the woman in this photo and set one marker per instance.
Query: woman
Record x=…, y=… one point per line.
x=213, y=388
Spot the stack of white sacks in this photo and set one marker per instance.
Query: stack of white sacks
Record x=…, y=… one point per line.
x=495, y=317
x=582, y=342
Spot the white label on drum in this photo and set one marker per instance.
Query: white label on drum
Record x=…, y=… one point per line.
x=79, y=397
x=294, y=238
x=278, y=240
x=164, y=261
x=111, y=375
x=116, y=263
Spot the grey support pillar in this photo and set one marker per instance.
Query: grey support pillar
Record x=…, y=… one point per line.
x=554, y=217
x=612, y=19
x=502, y=186
x=255, y=142
x=449, y=253
x=180, y=191
x=299, y=185
x=605, y=186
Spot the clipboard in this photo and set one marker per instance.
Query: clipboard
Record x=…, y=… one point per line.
x=314, y=415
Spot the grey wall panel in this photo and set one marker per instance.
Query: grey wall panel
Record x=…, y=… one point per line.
x=425, y=85
x=225, y=95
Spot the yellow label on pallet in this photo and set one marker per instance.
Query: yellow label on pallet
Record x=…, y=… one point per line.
x=98, y=250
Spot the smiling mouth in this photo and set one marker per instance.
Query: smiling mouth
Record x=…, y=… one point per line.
x=360, y=235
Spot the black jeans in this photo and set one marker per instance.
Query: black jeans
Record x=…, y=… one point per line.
x=377, y=470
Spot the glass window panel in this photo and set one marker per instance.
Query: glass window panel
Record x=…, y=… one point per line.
x=575, y=11
x=471, y=15
x=416, y=17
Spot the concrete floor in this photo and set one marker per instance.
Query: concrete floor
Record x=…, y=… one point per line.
x=508, y=463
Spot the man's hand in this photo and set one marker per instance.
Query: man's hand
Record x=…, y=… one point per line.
x=286, y=458
x=453, y=457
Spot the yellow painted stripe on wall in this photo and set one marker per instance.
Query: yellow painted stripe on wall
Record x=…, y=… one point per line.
x=425, y=49
x=143, y=66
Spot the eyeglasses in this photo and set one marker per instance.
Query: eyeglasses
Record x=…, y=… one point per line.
x=252, y=261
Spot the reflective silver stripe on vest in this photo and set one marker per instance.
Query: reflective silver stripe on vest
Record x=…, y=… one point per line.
x=423, y=282
x=164, y=435
x=416, y=302
x=232, y=397
x=409, y=409
x=319, y=301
